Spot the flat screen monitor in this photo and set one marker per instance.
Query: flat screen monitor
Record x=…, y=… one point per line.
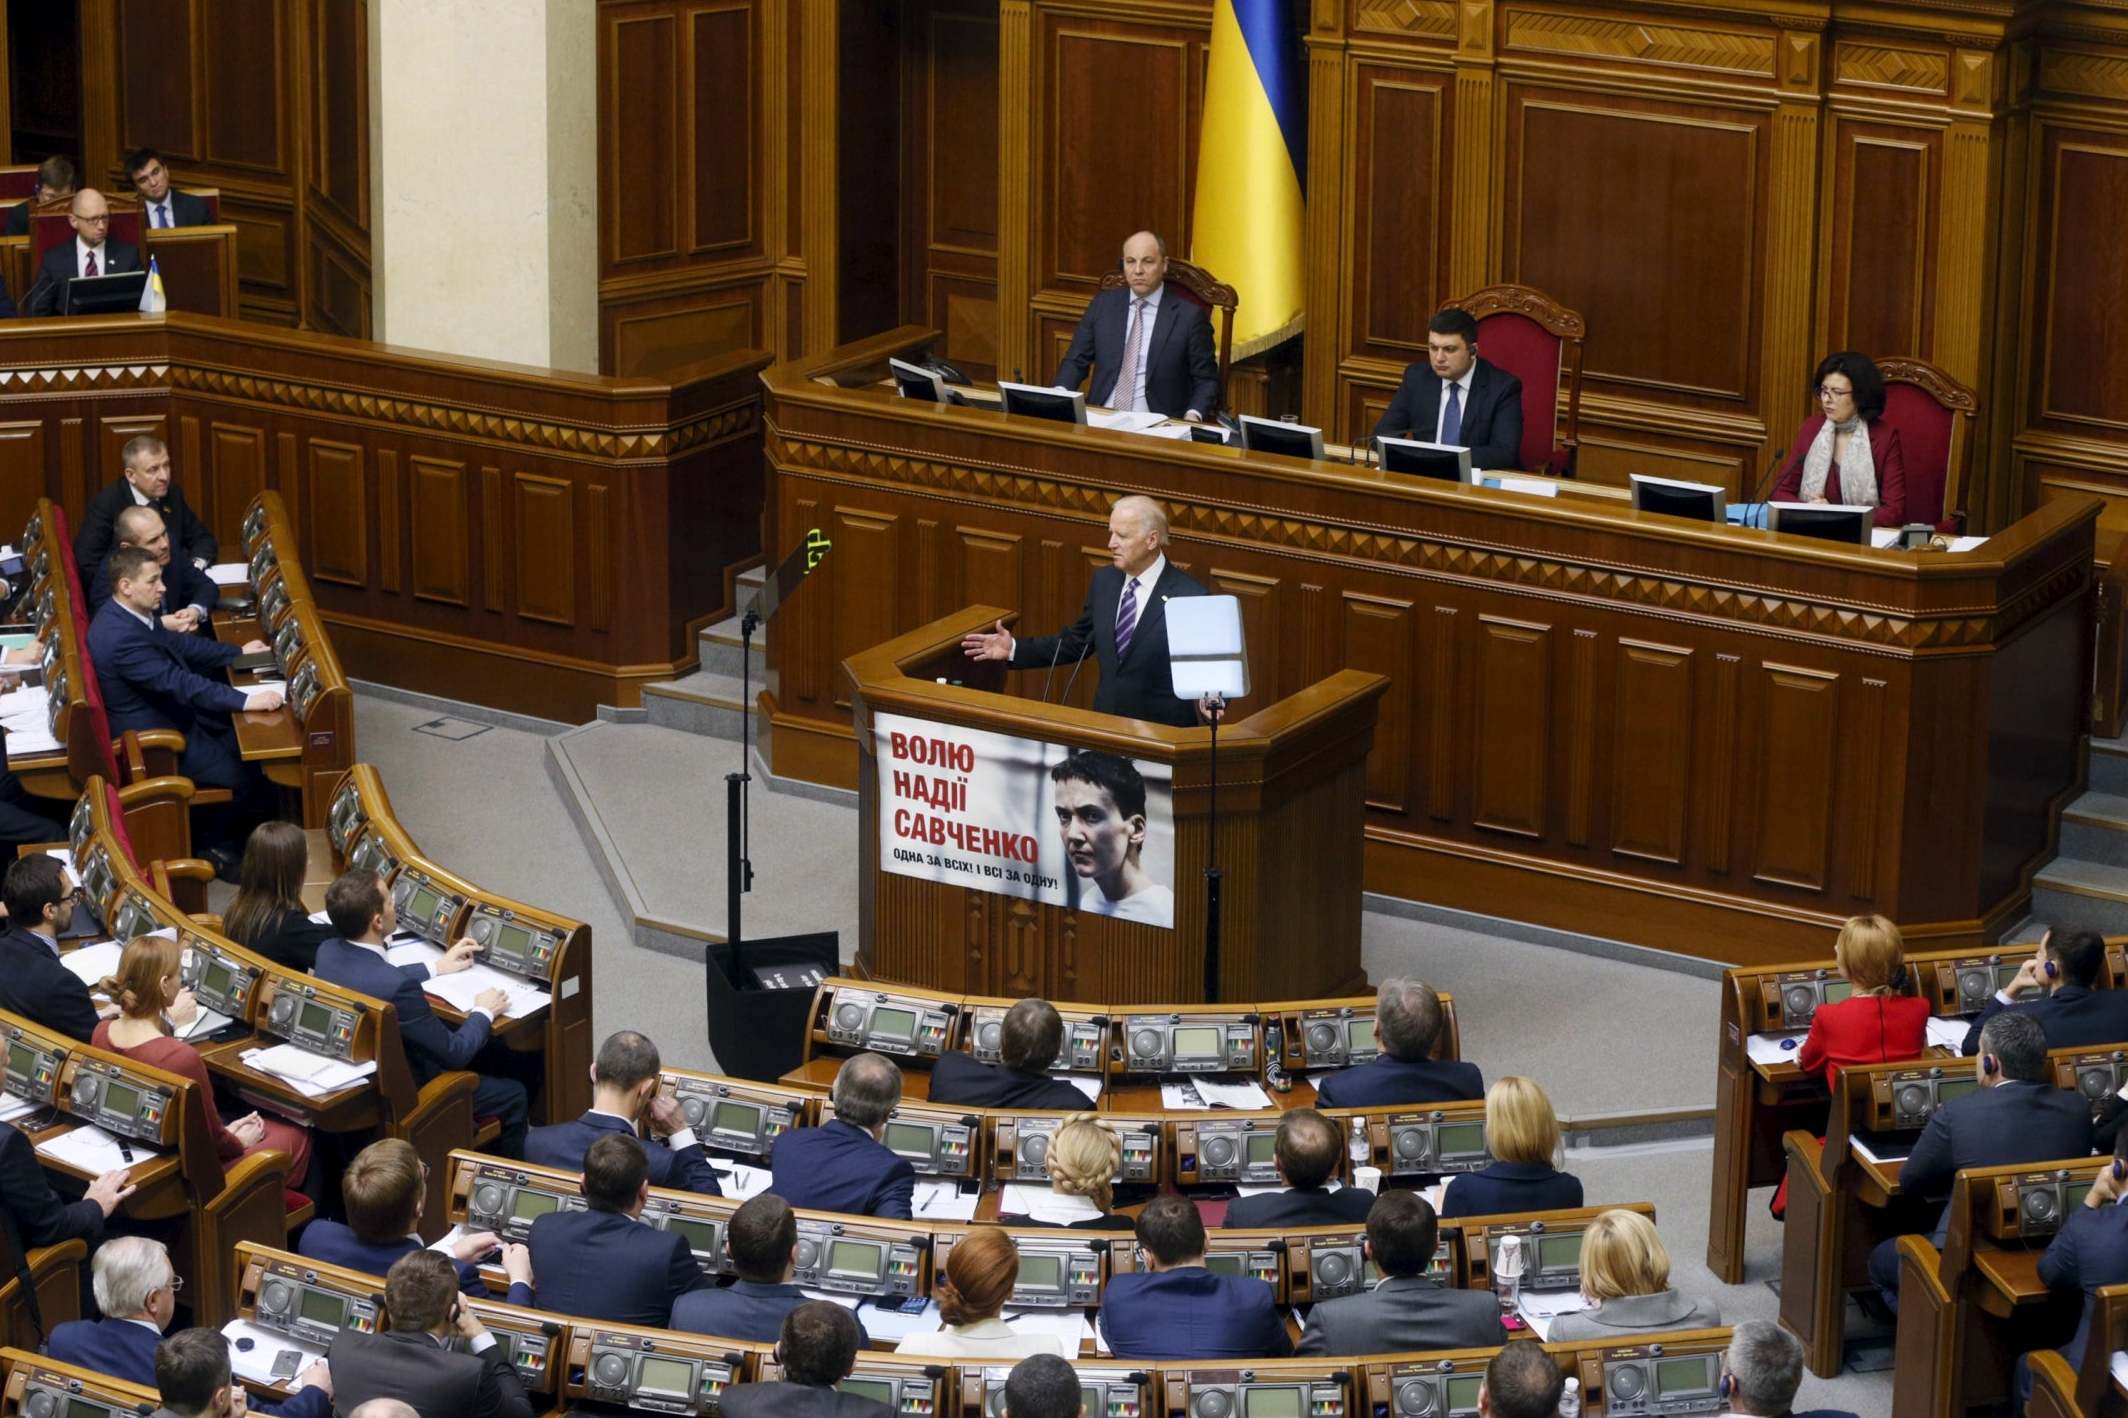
x=1041, y=402
x=1699, y=502
x=101, y=295
x=1827, y=521
x=1208, y=433
x=913, y=381
x=1444, y=462
x=1295, y=440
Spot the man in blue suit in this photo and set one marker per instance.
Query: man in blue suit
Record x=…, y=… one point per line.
x=625, y=1093
x=1177, y=1309
x=385, y=1189
x=1160, y=337
x=361, y=911
x=1457, y=399
x=40, y=897
x=2089, y=1252
x=605, y=1263
x=1029, y=1039
x=1306, y=1154
x=2017, y=1116
x=2072, y=1011
x=842, y=1165
x=192, y=1375
x=189, y=594
x=35, y=1214
x=1408, y=1024
x=763, y=1241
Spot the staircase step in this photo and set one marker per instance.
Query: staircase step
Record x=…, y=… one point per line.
x=705, y=702
x=720, y=648
x=2073, y=892
x=2094, y=828
x=2109, y=766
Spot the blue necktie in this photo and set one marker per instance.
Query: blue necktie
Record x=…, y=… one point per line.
x=1126, y=618
x=1452, y=421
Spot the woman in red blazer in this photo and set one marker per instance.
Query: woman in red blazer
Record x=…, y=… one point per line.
x=1843, y=453
x=1875, y=1024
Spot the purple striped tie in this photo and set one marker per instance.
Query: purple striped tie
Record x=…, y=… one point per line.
x=1126, y=618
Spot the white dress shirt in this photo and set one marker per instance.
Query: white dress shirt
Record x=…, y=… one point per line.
x=1462, y=403
x=160, y=213
x=81, y=257
x=685, y=1137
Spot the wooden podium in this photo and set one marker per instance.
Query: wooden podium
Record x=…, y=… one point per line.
x=1292, y=787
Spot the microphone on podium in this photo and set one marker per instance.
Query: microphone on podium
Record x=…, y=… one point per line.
x=1758, y=495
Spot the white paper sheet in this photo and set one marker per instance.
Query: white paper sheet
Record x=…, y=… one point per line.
x=1539, y=1308
x=312, y=1075
x=256, y=1363
x=1883, y=538
x=1947, y=1033
x=1532, y=487
x=459, y=990
x=884, y=1325
x=207, y=1021
x=1087, y=1083
x=848, y=1302
x=1967, y=543
x=65, y=858
x=1182, y=1098
x=942, y=1201
x=2120, y=1367
x=1071, y=1326
x=1042, y=1204
x=30, y=741
x=1865, y=1151
x=229, y=573
x=1247, y=1095
x=319, y=918
x=12, y=1107
x=93, y=1150
x=1127, y=421
x=90, y=964
x=1772, y=1048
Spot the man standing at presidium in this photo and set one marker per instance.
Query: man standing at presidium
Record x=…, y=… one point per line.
x=1124, y=623
x=1160, y=338
x=1458, y=399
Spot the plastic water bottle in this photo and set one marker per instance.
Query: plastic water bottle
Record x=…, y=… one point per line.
x=1570, y=1400
x=1358, y=1148
x=1507, y=1273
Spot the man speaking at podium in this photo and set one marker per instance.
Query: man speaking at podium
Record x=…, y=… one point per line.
x=1124, y=623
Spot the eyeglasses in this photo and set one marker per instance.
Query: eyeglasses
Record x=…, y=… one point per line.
x=93, y=221
x=1827, y=391
x=175, y=1283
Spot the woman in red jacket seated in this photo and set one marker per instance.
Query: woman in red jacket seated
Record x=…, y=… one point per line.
x=150, y=998
x=1876, y=1023
x=1843, y=454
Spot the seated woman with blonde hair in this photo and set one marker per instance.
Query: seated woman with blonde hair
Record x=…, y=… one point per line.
x=1522, y=1134
x=981, y=1270
x=1626, y=1271
x=1083, y=1157
x=152, y=1004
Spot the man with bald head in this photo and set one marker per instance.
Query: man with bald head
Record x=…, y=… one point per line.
x=1150, y=347
x=90, y=253
x=188, y=594
x=1124, y=623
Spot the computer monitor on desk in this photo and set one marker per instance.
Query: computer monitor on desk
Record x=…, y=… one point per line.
x=1041, y=402
x=1827, y=521
x=105, y=295
x=913, y=381
x=1698, y=502
x=1295, y=440
x=1443, y=462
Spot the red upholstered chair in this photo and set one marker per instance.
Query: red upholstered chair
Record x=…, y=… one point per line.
x=1538, y=340
x=49, y=226
x=1934, y=414
x=18, y=184
x=212, y=196
x=1207, y=290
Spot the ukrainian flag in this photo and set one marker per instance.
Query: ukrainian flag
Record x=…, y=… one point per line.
x=1251, y=162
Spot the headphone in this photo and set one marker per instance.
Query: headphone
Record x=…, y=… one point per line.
x=1987, y=1064
x=1726, y=1386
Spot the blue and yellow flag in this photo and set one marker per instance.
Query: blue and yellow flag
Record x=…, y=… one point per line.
x=1251, y=162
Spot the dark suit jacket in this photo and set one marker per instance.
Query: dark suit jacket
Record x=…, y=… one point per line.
x=185, y=210
x=603, y=1265
x=745, y=1310
x=1192, y=1314
x=432, y=1047
x=1181, y=360
x=1385, y=1080
x=1504, y=1188
x=292, y=938
x=159, y=679
x=1492, y=413
x=961, y=1078
x=189, y=536
x=2090, y=1251
x=1142, y=687
x=1294, y=1207
x=183, y=585
x=120, y=1348
x=2072, y=1018
x=785, y=1400
x=2010, y=1123
x=47, y=294
x=36, y=986
x=39, y=1217
x=564, y=1145
x=835, y=1167
x=18, y=219
x=418, y=1370
x=1885, y=455
x=335, y=1243
x=1403, y=1314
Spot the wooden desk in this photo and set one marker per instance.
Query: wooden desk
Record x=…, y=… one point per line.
x=1619, y=721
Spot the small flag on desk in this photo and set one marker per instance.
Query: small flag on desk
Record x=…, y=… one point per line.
x=1251, y=169
x=151, y=294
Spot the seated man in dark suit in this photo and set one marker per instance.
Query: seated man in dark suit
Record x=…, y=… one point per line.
x=1408, y=1024
x=1308, y=1147
x=604, y=1263
x=55, y=179
x=193, y=1377
x=624, y=1096
x=1458, y=399
x=2088, y=1253
x=1028, y=1043
x=842, y=1165
x=1043, y=1386
x=361, y=911
x=1176, y=1308
x=1764, y=1366
x=39, y=896
x=763, y=1241
x=88, y=255
x=1409, y=1310
x=1522, y=1381
x=410, y=1362
x=161, y=205
x=189, y=597
x=147, y=483
x=385, y=1189
x=35, y=1212
x=817, y=1349
x=2017, y=1116
x=2072, y=1011
x=1150, y=346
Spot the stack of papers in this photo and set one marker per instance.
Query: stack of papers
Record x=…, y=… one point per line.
x=229, y=573
x=1772, y=1048
x=1200, y=1094
x=942, y=1201
x=256, y=1362
x=26, y=717
x=312, y=1075
x=205, y=1023
x=94, y=1151
x=1126, y=421
x=459, y=990
x=12, y=1107
x=1071, y=1326
x=1539, y=1308
x=92, y=964
x=1042, y=1204
x=1947, y=1033
x=887, y=1323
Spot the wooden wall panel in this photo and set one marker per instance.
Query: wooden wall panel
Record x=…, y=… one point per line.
x=543, y=536
x=1798, y=767
x=1378, y=636
x=337, y=491
x=25, y=462
x=949, y=194
x=1401, y=185
x=442, y=556
x=1512, y=727
x=1652, y=748
x=2082, y=383
x=993, y=568
x=1881, y=249
x=235, y=472
x=866, y=546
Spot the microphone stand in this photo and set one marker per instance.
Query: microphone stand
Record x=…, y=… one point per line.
x=738, y=857
x=1217, y=704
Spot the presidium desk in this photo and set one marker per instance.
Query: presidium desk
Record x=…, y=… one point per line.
x=1711, y=740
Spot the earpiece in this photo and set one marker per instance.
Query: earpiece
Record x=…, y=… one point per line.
x=2120, y=1169
x=1987, y=1064
x=2052, y=969
x=1725, y=1386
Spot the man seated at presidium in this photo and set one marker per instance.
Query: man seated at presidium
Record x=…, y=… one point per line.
x=1408, y=1024
x=1457, y=398
x=1160, y=339
x=1124, y=623
x=56, y=178
x=160, y=205
x=91, y=253
x=1029, y=1040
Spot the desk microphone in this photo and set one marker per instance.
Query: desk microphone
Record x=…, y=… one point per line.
x=1759, y=494
x=1074, y=675
x=1054, y=656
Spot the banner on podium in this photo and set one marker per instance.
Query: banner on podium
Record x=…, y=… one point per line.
x=1020, y=817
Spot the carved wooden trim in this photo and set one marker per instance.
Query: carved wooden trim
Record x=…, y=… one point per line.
x=1649, y=42
x=1930, y=380
x=1191, y=277
x=1407, y=17
x=1510, y=299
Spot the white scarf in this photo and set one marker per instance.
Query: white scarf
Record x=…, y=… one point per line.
x=1858, y=475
